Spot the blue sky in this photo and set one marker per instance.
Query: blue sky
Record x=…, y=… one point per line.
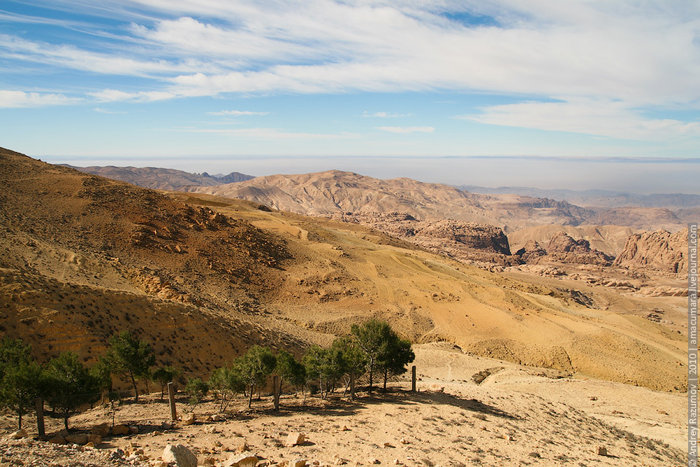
x=223, y=85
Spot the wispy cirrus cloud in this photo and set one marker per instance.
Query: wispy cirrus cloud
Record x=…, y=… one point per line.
x=406, y=129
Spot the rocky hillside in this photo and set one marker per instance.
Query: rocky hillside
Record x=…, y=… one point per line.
x=610, y=239
x=661, y=250
x=162, y=179
x=336, y=193
x=82, y=257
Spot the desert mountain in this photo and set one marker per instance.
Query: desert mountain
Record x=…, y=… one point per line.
x=203, y=277
x=337, y=193
x=162, y=179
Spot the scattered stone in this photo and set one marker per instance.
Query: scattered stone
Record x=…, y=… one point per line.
x=602, y=451
x=242, y=447
x=536, y=455
x=180, y=455
x=210, y=461
x=373, y=460
x=95, y=439
x=404, y=441
x=298, y=463
x=388, y=445
x=133, y=429
x=295, y=439
x=345, y=428
x=245, y=459
x=116, y=455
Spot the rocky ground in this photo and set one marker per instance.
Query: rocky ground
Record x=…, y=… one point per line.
x=467, y=411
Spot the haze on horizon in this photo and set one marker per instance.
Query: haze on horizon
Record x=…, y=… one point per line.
x=514, y=94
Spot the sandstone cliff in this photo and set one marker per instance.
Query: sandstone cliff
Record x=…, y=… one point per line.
x=660, y=250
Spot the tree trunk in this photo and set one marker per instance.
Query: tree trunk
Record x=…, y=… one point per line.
x=371, y=374
x=136, y=390
x=65, y=421
x=19, y=416
x=250, y=398
x=386, y=375
x=162, y=392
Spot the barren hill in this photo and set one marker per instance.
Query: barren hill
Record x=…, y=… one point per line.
x=162, y=179
x=82, y=256
x=334, y=193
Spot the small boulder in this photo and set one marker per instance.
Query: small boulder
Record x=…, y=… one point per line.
x=602, y=451
x=189, y=419
x=58, y=439
x=295, y=439
x=100, y=430
x=120, y=430
x=94, y=439
x=133, y=429
x=245, y=459
x=179, y=455
x=373, y=460
x=77, y=438
x=297, y=463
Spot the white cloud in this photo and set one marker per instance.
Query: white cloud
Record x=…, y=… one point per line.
x=594, y=117
x=238, y=113
x=384, y=115
x=406, y=129
x=639, y=53
x=10, y=99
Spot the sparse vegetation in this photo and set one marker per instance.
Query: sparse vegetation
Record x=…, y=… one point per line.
x=68, y=385
x=131, y=357
x=20, y=377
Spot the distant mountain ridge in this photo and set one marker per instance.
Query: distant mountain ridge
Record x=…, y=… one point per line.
x=334, y=193
x=598, y=198
x=162, y=179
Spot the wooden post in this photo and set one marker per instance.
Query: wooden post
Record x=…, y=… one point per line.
x=352, y=386
x=171, y=400
x=276, y=388
x=39, y=407
x=413, y=378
